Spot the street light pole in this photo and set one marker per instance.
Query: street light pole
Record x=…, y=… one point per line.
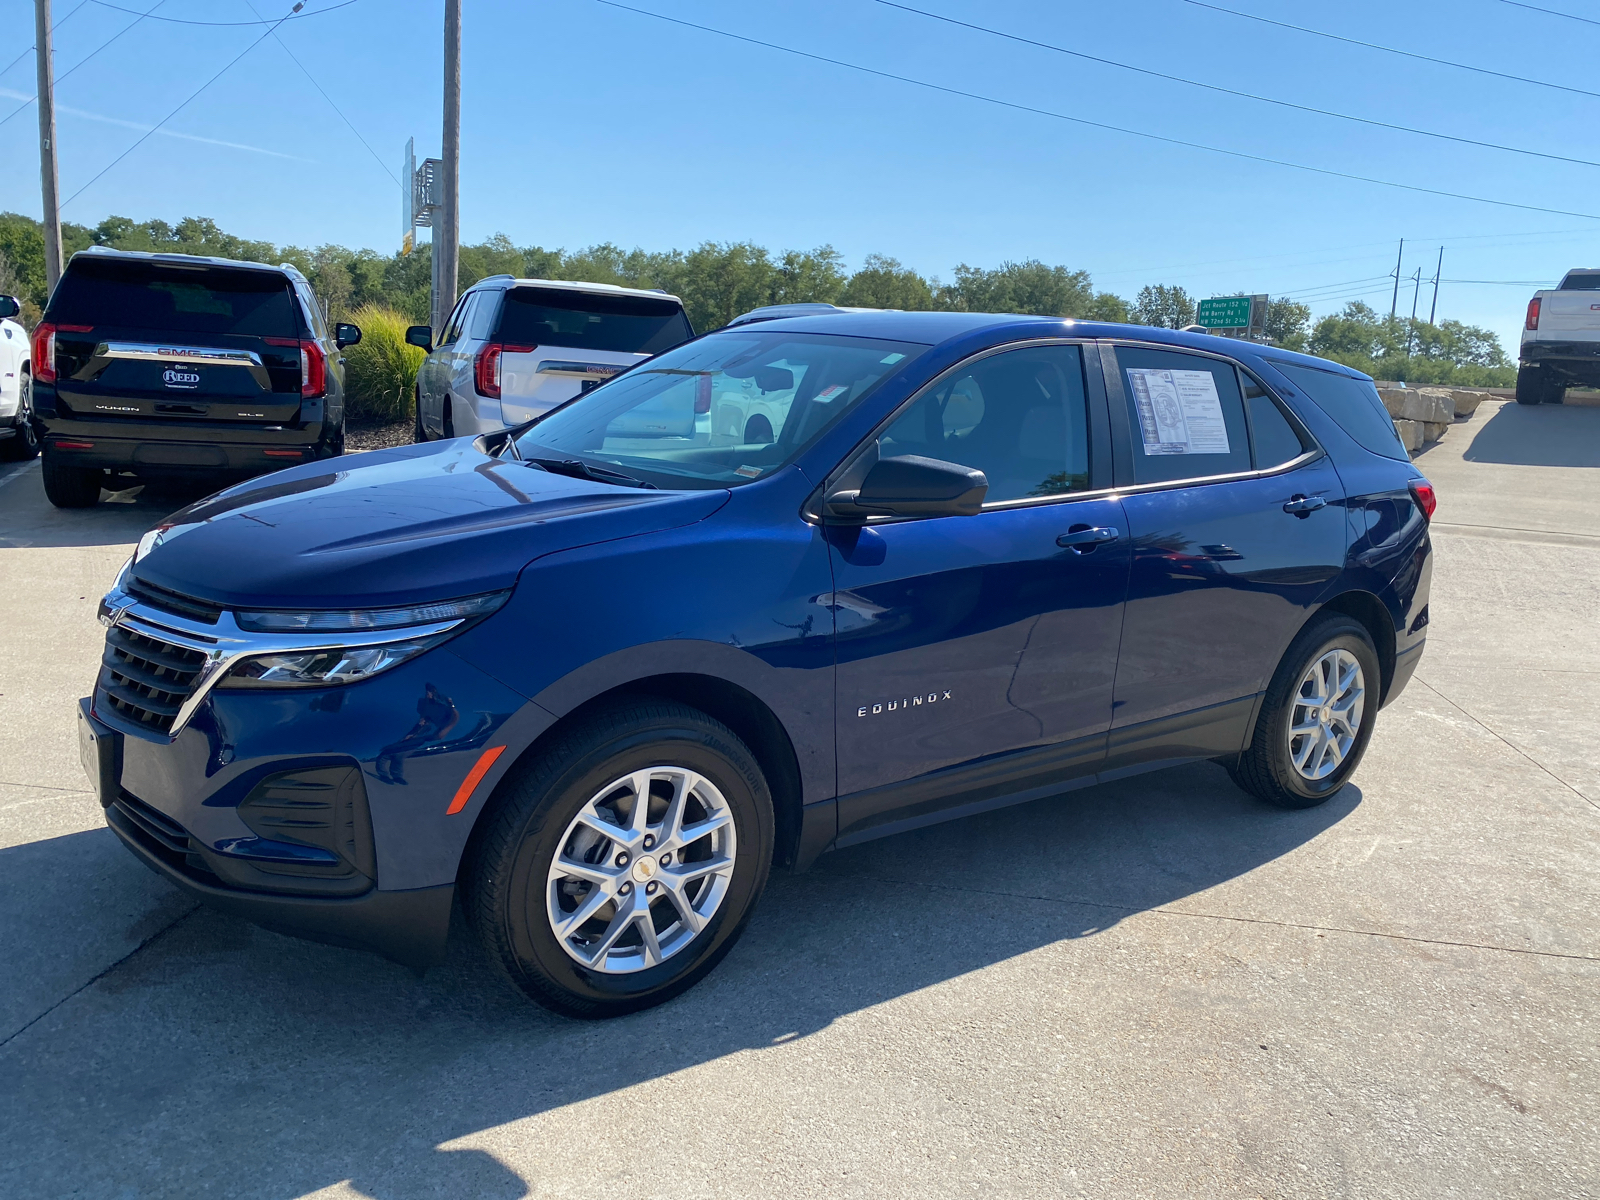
x=49, y=179
x=447, y=235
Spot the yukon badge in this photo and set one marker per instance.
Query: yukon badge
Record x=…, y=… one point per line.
x=889, y=706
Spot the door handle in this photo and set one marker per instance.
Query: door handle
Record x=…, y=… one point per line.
x=1084, y=538
x=1304, y=506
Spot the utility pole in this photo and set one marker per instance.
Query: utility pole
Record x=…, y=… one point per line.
x=49, y=178
x=1394, y=302
x=1411, y=329
x=1433, y=310
x=447, y=234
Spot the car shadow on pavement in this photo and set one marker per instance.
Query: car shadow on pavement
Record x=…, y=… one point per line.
x=28, y=519
x=1545, y=435
x=250, y=1064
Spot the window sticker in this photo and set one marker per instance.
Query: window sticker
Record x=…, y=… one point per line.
x=829, y=394
x=891, y=359
x=1179, y=412
x=747, y=472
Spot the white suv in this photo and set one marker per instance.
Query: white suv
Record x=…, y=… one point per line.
x=516, y=348
x=18, y=439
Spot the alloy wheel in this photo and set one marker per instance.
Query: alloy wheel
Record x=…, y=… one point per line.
x=642, y=869
x=1325, y=717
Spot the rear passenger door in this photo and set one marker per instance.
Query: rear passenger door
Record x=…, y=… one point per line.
x=1238, y=526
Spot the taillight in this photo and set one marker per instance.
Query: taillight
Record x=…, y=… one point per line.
x=702, y=392
x=313, y=370
x=486, y=367
x=1422, y=493
x=1533, y=314
x=44, y=352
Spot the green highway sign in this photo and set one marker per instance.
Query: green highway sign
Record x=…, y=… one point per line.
x=1224, y=312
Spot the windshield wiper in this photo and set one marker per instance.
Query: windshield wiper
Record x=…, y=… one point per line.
x=578, y=469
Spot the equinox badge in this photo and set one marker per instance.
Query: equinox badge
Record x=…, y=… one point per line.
x=894, y=705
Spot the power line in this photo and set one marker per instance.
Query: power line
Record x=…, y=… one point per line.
x=1443, y=62
x=1045, y=112
x=86, y=57
x=230, y=24
x=1227, y=91
x=1551, y=12
x=146, y=135
x=31, y=49
x=1533, y=283
x=279, y=39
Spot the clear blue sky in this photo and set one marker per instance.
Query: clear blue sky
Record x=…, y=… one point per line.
x=583, y=123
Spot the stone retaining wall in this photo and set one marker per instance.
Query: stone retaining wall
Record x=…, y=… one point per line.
x=1424, y=415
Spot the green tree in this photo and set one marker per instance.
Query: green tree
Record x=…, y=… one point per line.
x=1026, y=287
x=1288, y=324
x=885, y=282
x=1410, y=351
x=1169, y=307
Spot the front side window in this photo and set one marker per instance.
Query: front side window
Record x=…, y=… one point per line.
x=717, y=412
x=1185, y=415
x=458, y=320
x=1020, y=417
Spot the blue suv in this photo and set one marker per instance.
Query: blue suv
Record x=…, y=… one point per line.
x=594, y=676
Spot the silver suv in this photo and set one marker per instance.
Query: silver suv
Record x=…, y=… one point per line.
x=516, y=348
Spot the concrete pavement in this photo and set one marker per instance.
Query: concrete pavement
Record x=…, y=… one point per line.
x=1156, y=987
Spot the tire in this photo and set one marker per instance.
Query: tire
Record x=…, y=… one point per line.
x=418, y=433
x=605, y=967
x=758, y=431
x=1530, y=385
x=71, y=487
x=1268, y=768
x=24, y=444
x=447, y=422
x=333, y=445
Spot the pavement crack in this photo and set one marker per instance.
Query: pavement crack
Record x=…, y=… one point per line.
x=1507, y=741
x=1132, y=909
x=168, y=927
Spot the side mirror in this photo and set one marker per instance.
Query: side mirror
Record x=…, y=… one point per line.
x=345, y=334
x=420, y=335
x=913, y=486
x=9, y=306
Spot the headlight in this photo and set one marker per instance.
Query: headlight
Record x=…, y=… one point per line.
x=359, y=620
x=323, y=668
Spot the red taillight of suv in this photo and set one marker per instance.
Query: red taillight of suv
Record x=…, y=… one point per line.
x=313, y=365
x=486, y=367
x=44, y=348
x=1422, y=493
x=702, y=392
x=1533, y=314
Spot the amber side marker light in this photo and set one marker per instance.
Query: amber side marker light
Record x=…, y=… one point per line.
x=473, y=779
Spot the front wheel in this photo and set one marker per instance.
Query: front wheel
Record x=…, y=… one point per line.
x=1316, y=718
x=618, y=866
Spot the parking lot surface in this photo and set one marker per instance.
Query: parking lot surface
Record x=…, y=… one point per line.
x=1153, y=987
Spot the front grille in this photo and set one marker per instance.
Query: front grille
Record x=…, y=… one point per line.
x=167, y=839
x=170, y=601
x=146, y=680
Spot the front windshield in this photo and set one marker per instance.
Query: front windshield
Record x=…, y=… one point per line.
x=717, y=412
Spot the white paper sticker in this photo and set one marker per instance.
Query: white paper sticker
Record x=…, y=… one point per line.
x=1179, y=412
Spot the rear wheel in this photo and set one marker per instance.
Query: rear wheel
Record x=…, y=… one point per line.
x=619, y=866
x=23, y=444
x=419, y=434
x=69, y=486
x=448, y=421
x=1535, y=386
x=1316, y=718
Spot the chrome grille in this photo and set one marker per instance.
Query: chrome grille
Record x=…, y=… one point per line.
x=146, y=680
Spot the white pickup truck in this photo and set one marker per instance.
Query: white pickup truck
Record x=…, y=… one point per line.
x=1561, y=340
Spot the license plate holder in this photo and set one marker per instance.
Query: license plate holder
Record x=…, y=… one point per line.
x=100, y=751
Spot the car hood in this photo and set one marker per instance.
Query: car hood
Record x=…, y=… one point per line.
x=400, y=526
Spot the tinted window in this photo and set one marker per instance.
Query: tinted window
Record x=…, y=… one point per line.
x=138, y=294
x=458, y=318
x=1019, y=417
x=1272, y=437
x=1581, y=283
x=1185, y=415
x=721, y=411
x=1353, y=403
x=586, y=321
x=480, y=322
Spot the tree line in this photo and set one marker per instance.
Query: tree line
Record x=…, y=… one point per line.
x=719, y=280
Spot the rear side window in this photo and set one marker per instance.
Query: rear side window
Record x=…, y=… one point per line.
x=139, y=294
x=586, y=321
x=1185, y=414
x=1274, y=440
x=480, y=324
x=1353, y=403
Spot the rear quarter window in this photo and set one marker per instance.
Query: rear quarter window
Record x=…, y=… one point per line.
x=591, y=321
x=139, y=294
x=1353, y=403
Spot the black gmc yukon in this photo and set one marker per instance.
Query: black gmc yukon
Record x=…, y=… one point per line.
x=163, y=364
